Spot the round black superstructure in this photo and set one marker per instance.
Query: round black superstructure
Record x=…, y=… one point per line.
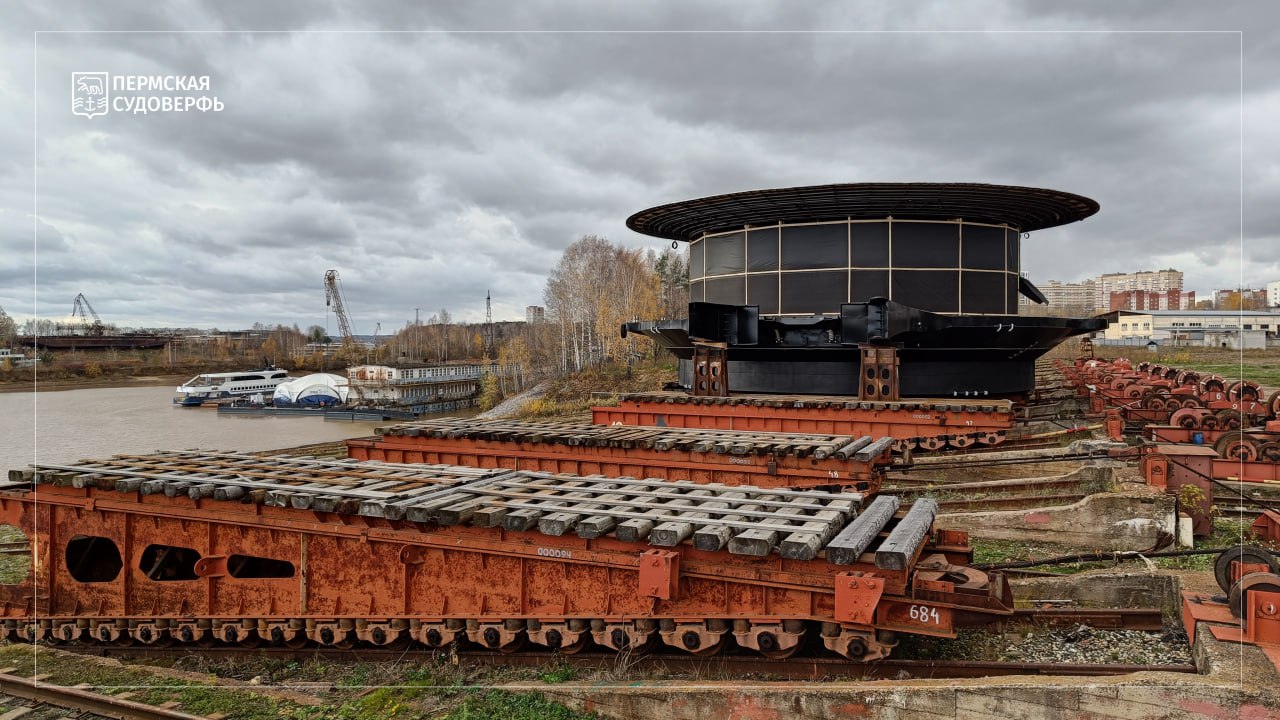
x=1026, y=209
x=950, y=248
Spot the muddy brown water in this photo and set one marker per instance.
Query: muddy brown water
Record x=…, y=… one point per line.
x=65, y=426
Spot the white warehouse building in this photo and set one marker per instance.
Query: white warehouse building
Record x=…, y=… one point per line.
x=1216, y=328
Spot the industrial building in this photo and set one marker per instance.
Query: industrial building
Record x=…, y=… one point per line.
x=1214, y=328
x=16, y=359
x=420, y=388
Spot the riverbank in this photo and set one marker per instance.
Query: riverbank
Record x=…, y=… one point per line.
x=86, y=383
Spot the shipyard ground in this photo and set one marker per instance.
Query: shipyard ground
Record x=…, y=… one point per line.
x=1231, y=680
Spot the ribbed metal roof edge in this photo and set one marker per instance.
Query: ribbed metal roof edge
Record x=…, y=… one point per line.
x=1026, y=208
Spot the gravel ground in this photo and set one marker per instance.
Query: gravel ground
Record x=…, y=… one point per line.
x=512, y=405
x=1087, y=645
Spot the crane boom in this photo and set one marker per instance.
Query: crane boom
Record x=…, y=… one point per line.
x=7, y=328
x=333, y=298
x=82, y=309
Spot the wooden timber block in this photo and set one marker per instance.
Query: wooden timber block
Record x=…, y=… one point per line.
x=849, y=544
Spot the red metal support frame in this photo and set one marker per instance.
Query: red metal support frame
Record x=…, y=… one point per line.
x=347, y=577
x=710, y=370
x=760, y=470
x=879, y=373
x=660, y=574
x=1267, y=526
x=987, y=420
x=857, y=596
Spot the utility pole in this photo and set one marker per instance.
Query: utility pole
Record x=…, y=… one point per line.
x=488, y=325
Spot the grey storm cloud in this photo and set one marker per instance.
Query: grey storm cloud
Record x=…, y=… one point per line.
x=432, y=167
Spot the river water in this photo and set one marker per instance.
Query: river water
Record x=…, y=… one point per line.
x=67, y=425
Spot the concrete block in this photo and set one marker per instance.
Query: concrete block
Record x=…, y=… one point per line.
x=1112, y=521
x=1017, y=703
x=1126, y=590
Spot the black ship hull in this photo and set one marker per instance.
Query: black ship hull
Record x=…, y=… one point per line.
x=939, y=355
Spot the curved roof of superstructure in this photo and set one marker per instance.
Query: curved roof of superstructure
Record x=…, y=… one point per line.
x=1025, y=208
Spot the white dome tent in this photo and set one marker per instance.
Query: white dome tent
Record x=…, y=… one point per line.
x=315, y=390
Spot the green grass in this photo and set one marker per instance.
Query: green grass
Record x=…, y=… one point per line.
x=563, y=673
x=420, y=690
x=1227, y=532
x=1263, y=374
x=13, y=568
x=194, y=697
x=502, y=705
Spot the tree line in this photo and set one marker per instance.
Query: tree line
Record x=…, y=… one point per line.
x=595, y=288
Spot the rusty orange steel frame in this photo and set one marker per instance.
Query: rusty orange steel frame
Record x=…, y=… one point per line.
x=379, y=580
x=765, y=471
x=903, y=421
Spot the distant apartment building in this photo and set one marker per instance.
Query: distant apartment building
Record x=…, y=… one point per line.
x=1070, y=295
x=534, y=314
x=1158, y=281
x=1246, y=299
x=1273, y=294
x=1152, y=300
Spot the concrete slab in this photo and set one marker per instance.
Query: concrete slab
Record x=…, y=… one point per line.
x=1107, y=521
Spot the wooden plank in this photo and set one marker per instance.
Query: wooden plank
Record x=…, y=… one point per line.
x=561, y=522
x=804, y=543
x=598, y=525
x=904, y=543
x=646, y=500
x=849, y=544
x=530, y=510
x=716, y=536
x=761, y=541
x=674, y=532
x=872, y=451
x=852, y=447
x=637, y=525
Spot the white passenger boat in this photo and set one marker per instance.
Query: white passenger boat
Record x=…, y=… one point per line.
x=211, y=386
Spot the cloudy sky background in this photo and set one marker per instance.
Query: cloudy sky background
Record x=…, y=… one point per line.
x=430, y=167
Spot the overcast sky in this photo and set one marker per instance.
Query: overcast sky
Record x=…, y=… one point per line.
x=429, y=167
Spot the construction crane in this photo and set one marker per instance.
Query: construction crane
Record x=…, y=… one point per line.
x=333, y=297
x=336, y=299
x=489, y=348
x=83, y=310
x=8, y=328
x=373, y=347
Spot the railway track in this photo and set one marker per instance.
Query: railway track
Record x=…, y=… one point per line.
x=81, y=701
x=794, y=668
x=799, y=667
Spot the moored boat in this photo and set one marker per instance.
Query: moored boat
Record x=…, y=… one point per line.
x=212, y=386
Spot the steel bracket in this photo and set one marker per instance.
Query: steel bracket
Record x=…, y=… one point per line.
x=857, y=596
x=659, y=574
x=1267, y=526
x=710, y=370
x=211, y=566
x=878, y=376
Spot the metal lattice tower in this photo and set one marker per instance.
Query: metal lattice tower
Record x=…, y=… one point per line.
x=488, y=325
x=333, y=298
